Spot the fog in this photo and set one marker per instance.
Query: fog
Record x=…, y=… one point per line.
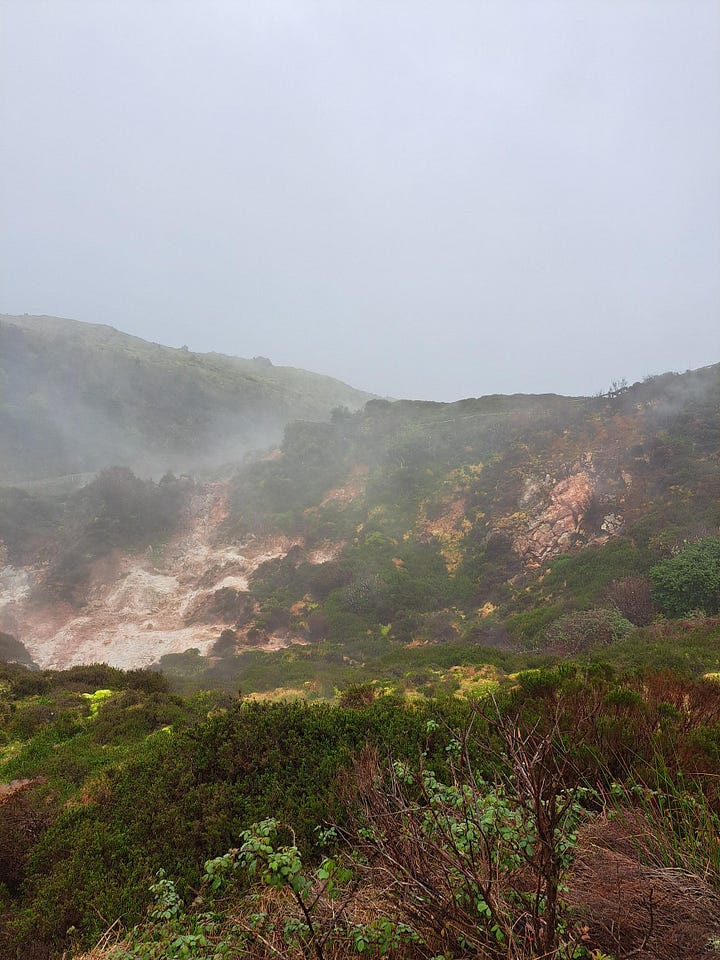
x=74, y=399
x=424, y=199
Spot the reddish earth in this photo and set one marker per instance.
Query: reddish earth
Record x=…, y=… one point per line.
x=354, y=488
x=183, y=594
x=634, y=907
x=8, y=790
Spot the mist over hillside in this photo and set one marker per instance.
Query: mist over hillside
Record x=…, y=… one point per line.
x=294, y=671
x=484, y=521
x=412, y=581
x=77, y=397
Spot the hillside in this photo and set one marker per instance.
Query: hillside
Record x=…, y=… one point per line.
x=77, y=397
x=399, y=542
x=396, y=649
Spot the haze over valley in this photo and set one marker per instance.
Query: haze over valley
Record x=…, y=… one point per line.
x=151, y=505
x=359, y=480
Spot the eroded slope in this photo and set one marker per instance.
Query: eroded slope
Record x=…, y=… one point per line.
x=138, y=607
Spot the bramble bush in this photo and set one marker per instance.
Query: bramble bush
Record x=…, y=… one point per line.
x=477, y=865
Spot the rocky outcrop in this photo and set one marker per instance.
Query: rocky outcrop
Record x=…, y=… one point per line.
x=554, y=515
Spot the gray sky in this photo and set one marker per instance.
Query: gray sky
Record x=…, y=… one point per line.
x=426, y=199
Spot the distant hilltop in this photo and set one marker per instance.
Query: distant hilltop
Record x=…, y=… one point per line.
x=76, y=397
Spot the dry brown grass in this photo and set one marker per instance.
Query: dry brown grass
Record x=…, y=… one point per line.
x=638, y=909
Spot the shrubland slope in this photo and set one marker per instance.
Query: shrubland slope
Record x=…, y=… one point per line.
x=575, y=814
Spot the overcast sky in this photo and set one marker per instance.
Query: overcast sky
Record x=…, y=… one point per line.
x=425, y=199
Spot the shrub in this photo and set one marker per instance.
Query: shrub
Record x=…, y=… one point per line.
x=24, y=819
x=530, y=623
x=477, y=866
x=225, y=644
x=631, y=596
x=439, y=627
x=131, y=715
x=576, y=632
x=586, y=575
x=11, y=650
x=690, y=580
x=358, y=695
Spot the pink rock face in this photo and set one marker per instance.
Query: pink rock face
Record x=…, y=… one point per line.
x=552, y=514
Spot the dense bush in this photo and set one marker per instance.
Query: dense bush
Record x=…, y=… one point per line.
x=119, y=800
x=115, y=510
x=512, y=789
x=12, y=650
x=198, y=787
x=587, y=574
x=690, y=580
x=576, y=632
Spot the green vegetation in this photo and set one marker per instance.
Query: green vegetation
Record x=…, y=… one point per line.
x=561, y=762
x=497, y=634
x=466, y=527
x=575, y=633
x=690, y=580
x=66, y=534
x=424, y=511
x=12, y=651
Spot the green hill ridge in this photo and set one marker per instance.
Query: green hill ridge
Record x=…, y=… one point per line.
x=77, y=397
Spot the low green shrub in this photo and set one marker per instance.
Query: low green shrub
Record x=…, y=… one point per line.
x=577, y=632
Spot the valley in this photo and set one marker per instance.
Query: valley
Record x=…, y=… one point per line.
x=359, y=480
x=403, y=527
x=459, y=618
